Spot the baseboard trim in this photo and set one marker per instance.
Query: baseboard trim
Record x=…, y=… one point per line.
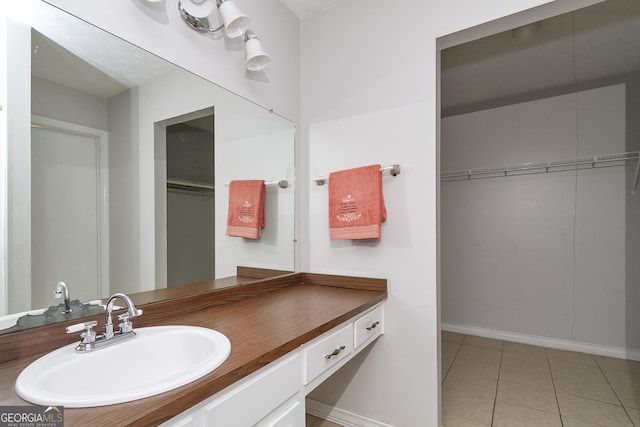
x=341, y=416
x=557, y=343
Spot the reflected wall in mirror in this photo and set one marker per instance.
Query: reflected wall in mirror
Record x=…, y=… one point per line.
x=87, y=173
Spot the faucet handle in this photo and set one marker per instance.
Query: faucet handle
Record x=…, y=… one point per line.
x=126, y=315
x=89, y=335
x=126, y=325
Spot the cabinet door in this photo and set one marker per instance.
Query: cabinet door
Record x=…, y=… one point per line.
x=249, y=403
x=291, y=414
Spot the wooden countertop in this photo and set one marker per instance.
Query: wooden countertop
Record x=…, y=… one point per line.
x=263, y=321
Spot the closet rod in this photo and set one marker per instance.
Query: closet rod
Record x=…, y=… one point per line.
x=180, y=184
x=392, y=169
x=546, y=167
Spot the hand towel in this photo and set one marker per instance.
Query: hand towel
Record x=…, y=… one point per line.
x=356, y=205
x=245, y=217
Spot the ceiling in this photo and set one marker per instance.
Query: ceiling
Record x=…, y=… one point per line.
x=104, y=72
x=306, y=8
x=590, y=44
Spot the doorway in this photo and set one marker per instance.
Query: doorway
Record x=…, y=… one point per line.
x=190, y=201
x=536, y=250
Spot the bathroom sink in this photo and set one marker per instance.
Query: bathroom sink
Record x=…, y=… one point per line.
x=158, y=359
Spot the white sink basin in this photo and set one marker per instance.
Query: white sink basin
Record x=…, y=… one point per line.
x=158, y=359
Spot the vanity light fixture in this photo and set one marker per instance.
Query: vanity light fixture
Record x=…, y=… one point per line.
x=234, y=24
x=254, y=54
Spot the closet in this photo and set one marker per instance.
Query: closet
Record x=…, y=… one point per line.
x=190, y=201
x=540, y=217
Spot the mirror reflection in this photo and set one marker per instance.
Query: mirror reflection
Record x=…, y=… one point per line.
x=119, y=166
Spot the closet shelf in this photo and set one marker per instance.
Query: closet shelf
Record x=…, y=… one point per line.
x=538, y=167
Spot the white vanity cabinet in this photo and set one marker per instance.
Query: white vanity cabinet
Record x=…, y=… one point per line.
x=274, y=396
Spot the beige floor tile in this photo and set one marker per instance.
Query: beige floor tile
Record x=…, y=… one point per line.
x=530, y=397
x=475, y=385
x=536, y=379
x=572, y=422
x=576, y=370
x=618, y=364
x=583, y=381
x=623, y=378
x=592, y=411
x=510, y=415
x=483, y=342
x=467, y=405
x=452, y=337
x=587, y=388
x=453, y=420
x=525, y=363
x=474, y=367
x=529, y=350
x=629, y=397
x=479, y=353
x=445, y=371
x=634, y=414
x=448, y=352
x=571, y=357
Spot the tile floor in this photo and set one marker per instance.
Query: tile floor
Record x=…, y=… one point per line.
x=317, y=422
x=492, y=383
x=488, y=382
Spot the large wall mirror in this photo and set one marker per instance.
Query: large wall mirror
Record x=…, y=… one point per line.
x=119, y=164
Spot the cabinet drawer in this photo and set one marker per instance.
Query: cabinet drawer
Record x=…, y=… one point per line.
x=368, y=326
x=322, y=355
x=251, y=402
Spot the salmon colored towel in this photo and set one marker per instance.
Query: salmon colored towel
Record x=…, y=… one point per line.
x=246, y=208
x=356, y=205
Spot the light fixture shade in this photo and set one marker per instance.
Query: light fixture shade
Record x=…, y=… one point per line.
x=255, y=56
x=198, y=8
x=235, y=22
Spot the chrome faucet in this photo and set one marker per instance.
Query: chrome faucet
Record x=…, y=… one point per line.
x=63, y=290
x=125, y=326
x=91, y=341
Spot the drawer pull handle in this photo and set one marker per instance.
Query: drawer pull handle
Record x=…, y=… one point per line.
x=375, y=324
x=335, y=352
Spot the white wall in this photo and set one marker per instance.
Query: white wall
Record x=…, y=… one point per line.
x=124, y=190
x=369, y=95
x=269, y=157
x=540, y=254
x=56, y=101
